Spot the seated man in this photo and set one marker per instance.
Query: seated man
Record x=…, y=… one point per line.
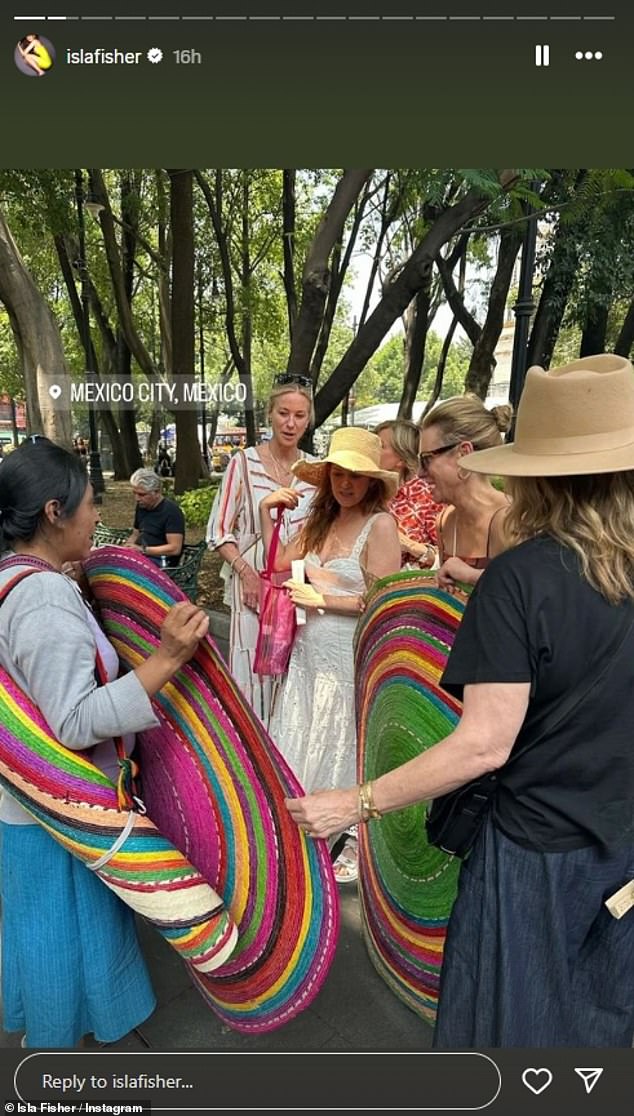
x=159, y=524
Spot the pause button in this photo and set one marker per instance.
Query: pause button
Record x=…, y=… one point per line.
x=542, y=55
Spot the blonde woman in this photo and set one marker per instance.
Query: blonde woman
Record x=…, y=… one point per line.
x=541, y=938
x=413, y=506
x=348, y=531
x=470, y=530
x=234, y=530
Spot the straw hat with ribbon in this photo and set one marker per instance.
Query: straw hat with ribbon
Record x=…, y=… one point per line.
x=573, y=420
x=354, y=449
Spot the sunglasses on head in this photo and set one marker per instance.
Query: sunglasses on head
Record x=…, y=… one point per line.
x=425, y=458
x=293, y=378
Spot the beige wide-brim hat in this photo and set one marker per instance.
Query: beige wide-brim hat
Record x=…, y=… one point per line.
x=354, y=449
x=573, y=420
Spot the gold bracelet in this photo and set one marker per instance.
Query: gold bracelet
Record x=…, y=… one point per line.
x=367, y=809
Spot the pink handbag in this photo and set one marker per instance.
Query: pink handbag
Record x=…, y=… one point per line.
x=278, y=622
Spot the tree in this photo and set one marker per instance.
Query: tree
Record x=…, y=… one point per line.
x=188, y=460
x=37, y=339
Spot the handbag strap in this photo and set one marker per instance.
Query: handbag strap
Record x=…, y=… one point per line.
x=127, y=797
x=272, y=551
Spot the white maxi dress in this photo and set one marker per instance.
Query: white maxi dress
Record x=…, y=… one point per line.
x=313, y=717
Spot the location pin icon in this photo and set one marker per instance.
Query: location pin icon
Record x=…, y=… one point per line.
x=55, y=391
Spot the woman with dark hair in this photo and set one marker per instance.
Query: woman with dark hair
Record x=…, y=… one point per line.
x=71, y=962
x=348, y=531
x=35, y=54
x=541, y=938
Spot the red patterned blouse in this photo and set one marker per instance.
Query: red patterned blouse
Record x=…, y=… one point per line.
x=415, y=512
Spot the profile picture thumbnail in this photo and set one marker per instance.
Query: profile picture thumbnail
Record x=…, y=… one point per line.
x=34, y=55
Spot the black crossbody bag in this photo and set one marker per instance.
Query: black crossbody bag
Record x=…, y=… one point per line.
x=454, y=820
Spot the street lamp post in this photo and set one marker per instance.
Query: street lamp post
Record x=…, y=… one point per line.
x=96, y=475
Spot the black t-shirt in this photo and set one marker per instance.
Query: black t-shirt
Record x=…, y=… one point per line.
x=533, y=618
x=156, y=523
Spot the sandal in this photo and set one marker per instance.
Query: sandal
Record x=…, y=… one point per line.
x=346, y=866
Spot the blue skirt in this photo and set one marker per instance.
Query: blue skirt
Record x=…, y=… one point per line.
x=71, y=960
x=533, y=957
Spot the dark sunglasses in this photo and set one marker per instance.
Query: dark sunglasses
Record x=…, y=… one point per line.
x=425, y=458
x=293, y=378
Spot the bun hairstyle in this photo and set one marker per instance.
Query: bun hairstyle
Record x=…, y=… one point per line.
x=36, y=472
x=464, y=418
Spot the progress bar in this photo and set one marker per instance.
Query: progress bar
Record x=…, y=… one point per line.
x=316, y=18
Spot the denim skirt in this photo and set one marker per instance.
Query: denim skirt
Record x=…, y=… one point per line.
x=71, y=960
x=533, y=957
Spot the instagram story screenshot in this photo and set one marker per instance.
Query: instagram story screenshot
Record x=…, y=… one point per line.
x=316, y=556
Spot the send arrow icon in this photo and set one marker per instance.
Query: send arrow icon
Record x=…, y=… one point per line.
x=589, y=1077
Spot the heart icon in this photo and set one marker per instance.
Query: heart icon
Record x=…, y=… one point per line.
x=55, y=391
x=537, y=1079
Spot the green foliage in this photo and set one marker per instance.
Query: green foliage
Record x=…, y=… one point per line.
x=196, y=504
x=387, y=368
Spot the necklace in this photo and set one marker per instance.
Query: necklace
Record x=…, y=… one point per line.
x=280, y=470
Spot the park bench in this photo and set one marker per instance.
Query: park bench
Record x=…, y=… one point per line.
x=185, y=574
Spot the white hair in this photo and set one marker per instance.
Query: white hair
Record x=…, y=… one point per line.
x=146, y=479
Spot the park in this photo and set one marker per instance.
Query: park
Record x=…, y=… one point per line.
x=152, y=319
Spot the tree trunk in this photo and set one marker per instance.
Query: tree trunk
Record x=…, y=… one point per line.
x=552, y=303
x=37, y=339
x=165, y=249
x=247, y=327
x=316, y=274
x=124, y=310
x=482, y=364
x=415, y=340
x=398, y=294
x=288, y=218
x=625, y=339
x=594, y=331
x=67, y=251
x=127, y=415
x=183, y=325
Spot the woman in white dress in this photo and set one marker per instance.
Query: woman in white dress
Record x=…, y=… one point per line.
x=348, y=531
x=233, y=527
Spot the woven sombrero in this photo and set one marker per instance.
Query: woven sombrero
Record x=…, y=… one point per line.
x=77, y=804
x=407, y=886
x=215, y=784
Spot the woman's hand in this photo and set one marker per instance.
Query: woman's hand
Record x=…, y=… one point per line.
x=249, y=586
x=304, y=595
x=182, y=630
x=281, y=498
x=325, y=812
x=77, y=573
x=423, y=553
x=454, y=570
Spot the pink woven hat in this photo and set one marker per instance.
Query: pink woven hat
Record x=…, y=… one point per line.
x=573, y=420
x=214, y=784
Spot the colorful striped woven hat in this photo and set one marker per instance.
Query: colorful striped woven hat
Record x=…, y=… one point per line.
x=77, y=804
x=215, y=785
x=407, y=886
